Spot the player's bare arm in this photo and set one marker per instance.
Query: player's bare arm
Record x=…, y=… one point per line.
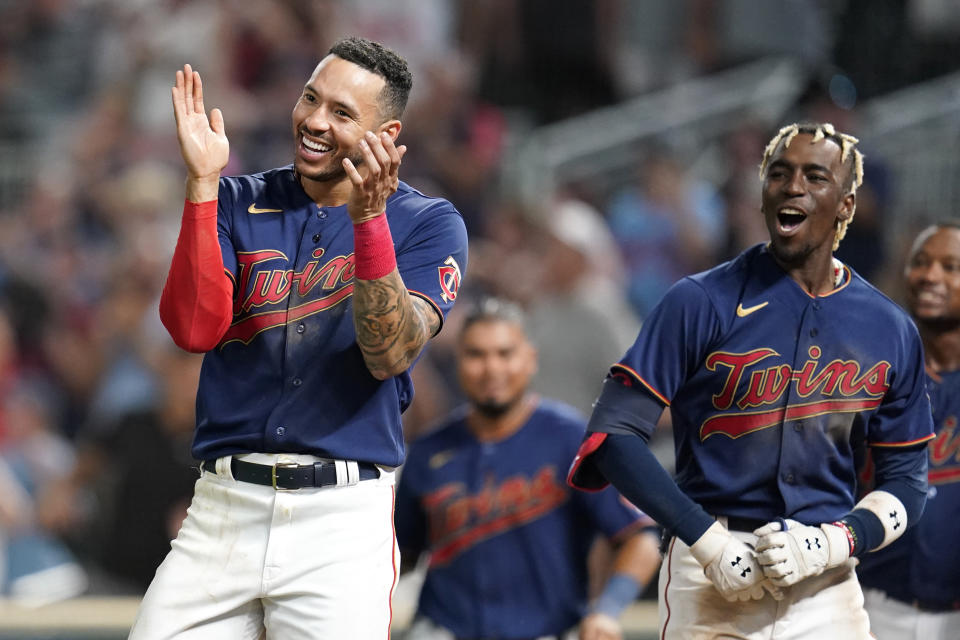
x=203, y=141
x=392, y=325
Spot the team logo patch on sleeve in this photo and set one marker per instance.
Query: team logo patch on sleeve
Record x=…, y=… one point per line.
x=449, y=279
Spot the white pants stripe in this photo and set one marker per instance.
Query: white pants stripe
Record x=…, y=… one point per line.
x=251, y=562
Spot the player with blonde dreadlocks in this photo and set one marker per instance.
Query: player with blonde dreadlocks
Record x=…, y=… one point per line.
x=777, y=367
x=849, y=155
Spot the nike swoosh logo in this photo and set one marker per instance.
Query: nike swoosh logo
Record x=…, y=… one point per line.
x=253, y=209
x=744, y=312
x=441, y=458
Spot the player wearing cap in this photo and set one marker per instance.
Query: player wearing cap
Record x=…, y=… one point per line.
x=312, y=288
x=776, y=366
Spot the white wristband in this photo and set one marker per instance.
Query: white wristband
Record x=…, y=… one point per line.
x=892, y=514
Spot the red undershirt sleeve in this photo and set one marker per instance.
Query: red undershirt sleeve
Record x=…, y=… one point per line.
x=196, y=305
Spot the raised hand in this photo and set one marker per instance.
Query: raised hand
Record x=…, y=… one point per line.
x=376, y=179
x=203, y=142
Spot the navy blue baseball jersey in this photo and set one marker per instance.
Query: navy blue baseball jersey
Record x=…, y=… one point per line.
x=924, y=563
x=771, y=390
x=288, y=375
x=507, y=538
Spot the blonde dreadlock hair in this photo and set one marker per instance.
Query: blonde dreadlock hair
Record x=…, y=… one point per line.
x=848, y=150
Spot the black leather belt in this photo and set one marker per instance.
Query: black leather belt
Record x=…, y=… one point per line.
x=290, y=475
x=934, y=606
x=736, y=523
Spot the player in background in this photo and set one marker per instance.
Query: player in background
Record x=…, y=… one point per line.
x=776, y=367
x=484, y=496
x=312, y=288
x=912, y=588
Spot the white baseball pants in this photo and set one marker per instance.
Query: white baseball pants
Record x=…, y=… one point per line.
x=252, y=562
x=690, y=608
x=892, y=619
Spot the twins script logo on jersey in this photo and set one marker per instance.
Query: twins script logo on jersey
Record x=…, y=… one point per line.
x=261, y=303
x=459, y=520
x=449, y=279
x=840, y=386
x=945, y=454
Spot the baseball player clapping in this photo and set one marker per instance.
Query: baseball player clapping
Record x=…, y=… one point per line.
x=311, y=289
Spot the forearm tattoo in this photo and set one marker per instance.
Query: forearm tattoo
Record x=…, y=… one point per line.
x=392, y=326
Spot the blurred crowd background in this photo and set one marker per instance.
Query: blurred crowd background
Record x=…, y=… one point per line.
x=598, y=150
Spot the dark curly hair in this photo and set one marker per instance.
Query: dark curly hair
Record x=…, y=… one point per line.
x=491, y=309
x=376, y=58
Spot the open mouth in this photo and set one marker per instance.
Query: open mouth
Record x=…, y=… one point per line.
x=789, y=219
x=314, y=148
x=926, y=296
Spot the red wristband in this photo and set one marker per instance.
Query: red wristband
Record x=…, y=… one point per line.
x=851, y=536
x=197, y=210
x=373, y=254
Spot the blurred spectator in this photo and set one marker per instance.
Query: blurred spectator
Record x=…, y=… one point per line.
x=579, y=318
x=667, y=224
x=127, y=528
x=876, y=46
x=457, y=141
x=554, y=59
x=743, y=221
x=39, y=568
x=746, y=29
x=424, y=28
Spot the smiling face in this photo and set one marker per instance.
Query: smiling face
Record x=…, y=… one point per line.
x=804, y=198
x=495, y=365
x=933, y=277
x=338, y=105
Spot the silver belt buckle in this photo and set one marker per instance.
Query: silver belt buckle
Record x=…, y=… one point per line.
x=284, y=464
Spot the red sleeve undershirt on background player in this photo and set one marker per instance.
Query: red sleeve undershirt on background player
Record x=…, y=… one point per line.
x=196, y=306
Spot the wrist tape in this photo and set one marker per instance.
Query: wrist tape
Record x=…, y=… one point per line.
x=373, y=254
x=620, y=591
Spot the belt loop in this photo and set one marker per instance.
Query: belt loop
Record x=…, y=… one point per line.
x=348, y=472
x=224, y=468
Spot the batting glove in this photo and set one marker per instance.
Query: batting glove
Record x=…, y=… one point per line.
x=791, y=555
x=731, y=565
